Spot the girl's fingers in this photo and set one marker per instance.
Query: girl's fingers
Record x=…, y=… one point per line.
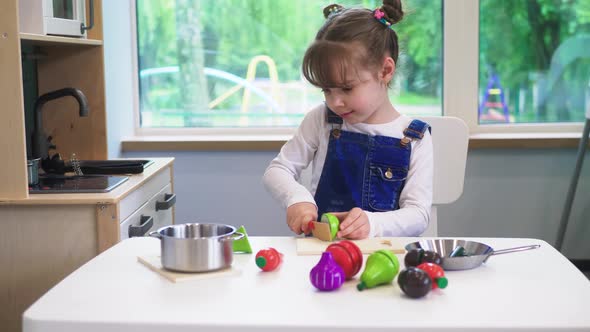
x=360, y=232
x=294, y=227
x=305, y=223
x=350, y=219
x=350, y=229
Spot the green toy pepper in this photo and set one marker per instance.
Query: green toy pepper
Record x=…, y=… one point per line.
x=334, y=223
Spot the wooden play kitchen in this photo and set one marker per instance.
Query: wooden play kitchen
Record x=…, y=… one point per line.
x=44, y=238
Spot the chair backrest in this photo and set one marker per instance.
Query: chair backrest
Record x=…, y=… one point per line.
x=450, y=137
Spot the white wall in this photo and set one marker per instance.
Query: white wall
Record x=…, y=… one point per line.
x=118, y=73
x=508, y=193
x=521, y=193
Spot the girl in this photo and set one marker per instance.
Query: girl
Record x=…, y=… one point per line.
x=372, y=166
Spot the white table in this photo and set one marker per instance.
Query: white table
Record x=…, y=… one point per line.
x=525, y=291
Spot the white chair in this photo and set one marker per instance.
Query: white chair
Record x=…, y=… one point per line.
x=450, y=137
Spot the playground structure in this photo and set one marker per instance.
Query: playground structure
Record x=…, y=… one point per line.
x=493, y=100
x=248, y=85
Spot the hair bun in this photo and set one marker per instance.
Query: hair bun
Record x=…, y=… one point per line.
x=393, y=10
x=332, y=9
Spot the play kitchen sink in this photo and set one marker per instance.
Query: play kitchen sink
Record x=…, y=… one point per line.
x=72, y=175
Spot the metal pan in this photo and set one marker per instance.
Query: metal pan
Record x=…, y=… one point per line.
x=476, y=253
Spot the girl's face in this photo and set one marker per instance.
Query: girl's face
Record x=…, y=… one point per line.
x=362, y=97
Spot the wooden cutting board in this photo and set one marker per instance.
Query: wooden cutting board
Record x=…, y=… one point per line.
x=154, y=263
x=314, y=246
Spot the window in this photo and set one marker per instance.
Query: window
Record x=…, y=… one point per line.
x=518, y=67
x=236, y=63
x=534, y=61
x=512, y=66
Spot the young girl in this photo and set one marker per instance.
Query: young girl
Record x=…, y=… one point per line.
x=372, y=166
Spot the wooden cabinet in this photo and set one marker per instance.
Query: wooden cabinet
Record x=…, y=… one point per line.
x=60, y=62
x=45, y=237
x=48, y=236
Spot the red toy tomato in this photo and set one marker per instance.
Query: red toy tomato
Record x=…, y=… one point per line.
x=268, y=259
x=348, y=256
x=436, y=273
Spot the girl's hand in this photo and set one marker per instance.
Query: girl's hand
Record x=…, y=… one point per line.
x=354, y=224
x=299, y=215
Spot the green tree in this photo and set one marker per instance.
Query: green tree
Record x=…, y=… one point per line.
x=193, y=84
x=518, y=40
x=420, y=35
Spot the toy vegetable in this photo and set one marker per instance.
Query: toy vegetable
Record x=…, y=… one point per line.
x=326, y=275
x=416, y=257
x=436, y=273
x=334, y=223
x=382, y=266
x=268, y=259
x=414, y=282
x=243, y=244
x=458, y=252
x=348, y=255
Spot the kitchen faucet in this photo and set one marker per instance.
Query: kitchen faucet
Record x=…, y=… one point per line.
x=41, y=143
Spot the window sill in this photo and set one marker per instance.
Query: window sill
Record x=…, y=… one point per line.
x=274, y=142
x=205, y=143
x=524, y=140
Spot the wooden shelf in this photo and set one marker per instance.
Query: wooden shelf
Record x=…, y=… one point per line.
x=56, y=40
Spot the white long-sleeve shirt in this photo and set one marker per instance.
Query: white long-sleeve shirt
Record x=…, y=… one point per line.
x=310, y=143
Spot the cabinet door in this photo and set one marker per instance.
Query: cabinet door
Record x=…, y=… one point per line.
x=145, y=192
x=155, y=213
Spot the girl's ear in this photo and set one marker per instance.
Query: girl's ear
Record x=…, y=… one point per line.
x=388, y=69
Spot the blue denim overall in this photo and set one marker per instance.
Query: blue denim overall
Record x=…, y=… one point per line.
x=364, y=171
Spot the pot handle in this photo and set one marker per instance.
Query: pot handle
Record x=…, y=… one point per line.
x=233, y=237
x=515, y=249
x=155, y=234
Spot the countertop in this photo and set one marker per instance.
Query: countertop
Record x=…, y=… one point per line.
x=114, y=196
x=524, y=291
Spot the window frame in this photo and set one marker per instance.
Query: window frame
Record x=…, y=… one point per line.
x=460, y=92
x=460, y=95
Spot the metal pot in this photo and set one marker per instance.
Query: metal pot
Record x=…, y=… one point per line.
x=196, y=247
x=476, y=253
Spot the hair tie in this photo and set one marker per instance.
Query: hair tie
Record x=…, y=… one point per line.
x=379, y=15
x=332, y=9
